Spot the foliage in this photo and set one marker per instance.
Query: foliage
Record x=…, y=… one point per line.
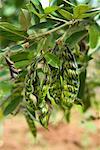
x=46, y=56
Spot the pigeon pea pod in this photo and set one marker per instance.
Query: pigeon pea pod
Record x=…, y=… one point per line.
x=65, y=83
x=36, y=87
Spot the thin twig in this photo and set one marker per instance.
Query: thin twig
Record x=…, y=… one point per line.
x=69, y=3
x=57, y=19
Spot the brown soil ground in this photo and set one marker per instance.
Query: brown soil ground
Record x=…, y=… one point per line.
x=60, y=136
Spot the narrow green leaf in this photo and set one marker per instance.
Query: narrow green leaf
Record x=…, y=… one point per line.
x=93, y=35
x=19, y=56
x=75, y=38
x=65, y=14
x=9, y=26
x=36, y=8
x=11, y=32
x=35, y=14
x=24, y=19
x=12, y=105
x=22, y=64
x=38, y=5
x=52, y=59
x=82, y=84
x=42, y=25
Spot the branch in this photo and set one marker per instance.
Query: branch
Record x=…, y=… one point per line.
x=53, y=30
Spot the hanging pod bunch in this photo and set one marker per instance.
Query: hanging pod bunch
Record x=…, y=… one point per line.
x=65, y=85
x=46, y=81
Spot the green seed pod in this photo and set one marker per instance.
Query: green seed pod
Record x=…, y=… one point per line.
x=30, y=122
x=37, y=84
x=65, y=80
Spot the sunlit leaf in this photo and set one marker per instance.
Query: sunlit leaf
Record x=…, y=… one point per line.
x=12, y=105
x=79, y=10
x=65, y=14
x=52, y=59
x=93, y=35
x=75, y=38
x=19, y=56
x=50, y=9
